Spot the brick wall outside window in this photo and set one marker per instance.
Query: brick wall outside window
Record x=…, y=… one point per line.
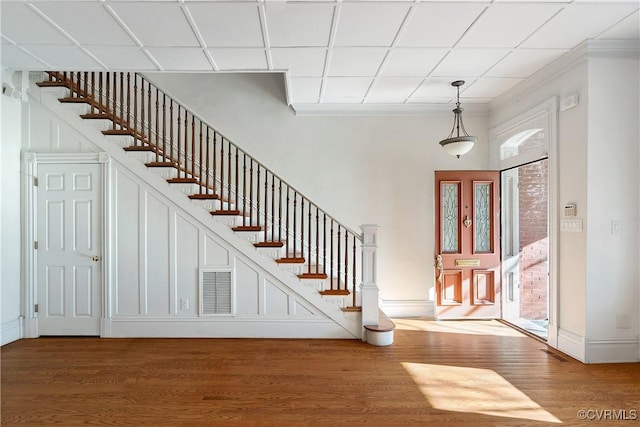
x=533, y=217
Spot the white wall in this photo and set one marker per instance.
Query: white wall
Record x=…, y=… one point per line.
x=10, y=139
x=11, y=110
x=597, y=170
x=613, y=274
x=359, y=169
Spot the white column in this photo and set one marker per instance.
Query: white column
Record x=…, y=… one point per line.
x=369, y=287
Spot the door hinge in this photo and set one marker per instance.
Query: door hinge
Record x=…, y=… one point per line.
x=35, y=308
x=35, y=181
x=35, y=245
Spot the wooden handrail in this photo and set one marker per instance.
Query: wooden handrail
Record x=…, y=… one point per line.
x=219, y=168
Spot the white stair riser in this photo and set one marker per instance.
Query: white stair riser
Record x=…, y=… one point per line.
x=142, y=156
x=121, y=140
x=77, y=108
x=100, y=124
x=187, y=189
x=56, y=92
x=274, y=253
x=251, y=236
x=207, y=205
x=293, y=268
x=165, y=172
x=229, y=220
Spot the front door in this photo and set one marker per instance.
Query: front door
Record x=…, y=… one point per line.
x=467, y=245
x=69, y=249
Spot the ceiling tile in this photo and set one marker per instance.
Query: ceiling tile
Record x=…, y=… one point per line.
x=628, y=28
x=412, y=61
x=16, y=58
x=435, y=87
x=369, y=24
x=228, y=24
x=507, y=25
x=346, y=87
x=239, y=59
x=64, y=57
x=524, y=62
x=301, y=61
x=474, y=62
x=156, y=24
x=22, y=25
x=299, y=24
x=393, y=89
x=488, y=87
x=439, y=24
x=122, y=57
x=356, y=61
x=181, y=58
x=576, y=23
x=305, y=90
x=97, y=26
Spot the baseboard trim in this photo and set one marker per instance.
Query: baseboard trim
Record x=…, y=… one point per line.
x=571, y=344
x=613, y=350
x=11, y=331
x=223, y=328
x=407, y=308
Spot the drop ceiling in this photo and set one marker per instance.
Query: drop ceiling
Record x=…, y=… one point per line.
x=334, y=53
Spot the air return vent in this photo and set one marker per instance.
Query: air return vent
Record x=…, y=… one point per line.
x=215, y=292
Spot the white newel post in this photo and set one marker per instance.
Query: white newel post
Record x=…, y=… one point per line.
x=369, y=287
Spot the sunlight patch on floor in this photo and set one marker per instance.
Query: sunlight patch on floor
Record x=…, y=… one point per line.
x=471, y=327
x=473, y=390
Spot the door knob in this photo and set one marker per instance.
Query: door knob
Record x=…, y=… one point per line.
x=95, y=258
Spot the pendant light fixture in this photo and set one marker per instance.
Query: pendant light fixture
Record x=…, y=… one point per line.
x=460, y=143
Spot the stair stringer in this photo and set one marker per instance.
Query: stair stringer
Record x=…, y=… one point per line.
x=305, y=293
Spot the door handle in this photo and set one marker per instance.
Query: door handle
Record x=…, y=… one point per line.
x=439, y=268
x=95, y=258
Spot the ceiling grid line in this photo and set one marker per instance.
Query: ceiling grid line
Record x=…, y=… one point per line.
x=265, y=34
x=198, y=34
x=329, y=55
x=351, y=55
x=394, y=43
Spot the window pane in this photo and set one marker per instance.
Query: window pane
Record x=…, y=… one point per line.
x=527, y=140
x=482, y=220
x=450, y=219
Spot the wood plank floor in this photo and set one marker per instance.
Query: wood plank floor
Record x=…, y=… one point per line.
x=436, y=374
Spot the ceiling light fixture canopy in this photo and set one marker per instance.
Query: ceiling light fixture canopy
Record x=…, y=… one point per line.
x=460, y=143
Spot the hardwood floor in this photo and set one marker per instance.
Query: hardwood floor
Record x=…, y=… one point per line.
x=437, y=374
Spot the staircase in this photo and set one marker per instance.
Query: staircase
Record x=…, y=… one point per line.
x=217, y=175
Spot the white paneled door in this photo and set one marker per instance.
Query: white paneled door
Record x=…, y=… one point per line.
x=69, y=258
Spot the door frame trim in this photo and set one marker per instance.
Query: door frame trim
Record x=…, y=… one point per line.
x=30, y=162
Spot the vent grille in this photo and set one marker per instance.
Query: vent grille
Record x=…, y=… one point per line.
x=215, y=292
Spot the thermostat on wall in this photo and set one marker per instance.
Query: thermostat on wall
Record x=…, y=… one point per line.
x=570, y=209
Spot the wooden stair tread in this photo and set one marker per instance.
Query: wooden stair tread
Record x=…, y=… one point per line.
x=160, y=165
x=75, y=100
x=312, y=276
x=335, y=292
x=384, y=324
x=233, y=212
x=138, y=148
x=96, y=116
x=353, y=308
x=269, y=244
x=204, y=196
x=291, y=260
x=118, y=132
x=182, y=180
x=247, y=228
x=57, y=83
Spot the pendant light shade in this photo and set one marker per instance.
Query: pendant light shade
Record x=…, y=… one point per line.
x=458, y=143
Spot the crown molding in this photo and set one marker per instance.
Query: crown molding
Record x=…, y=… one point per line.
x=388, y=110
x=576, y=56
